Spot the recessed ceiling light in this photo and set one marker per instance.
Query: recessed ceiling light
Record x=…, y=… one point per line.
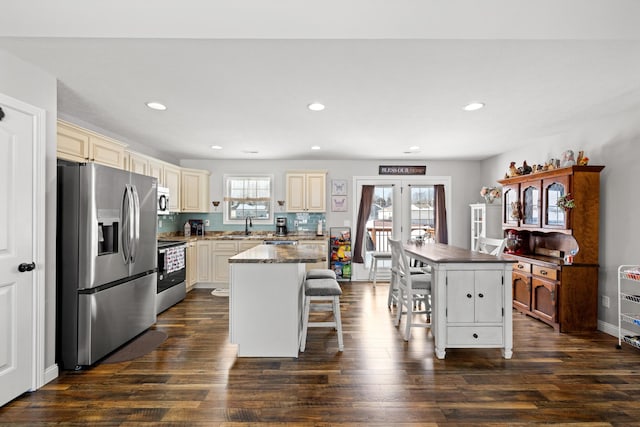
x=315, y=106
x=414, y=148
x=156, y=106
x=473, y=106
x=315, y=147
x=216, y=147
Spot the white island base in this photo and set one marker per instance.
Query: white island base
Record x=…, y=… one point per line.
x=265, y=308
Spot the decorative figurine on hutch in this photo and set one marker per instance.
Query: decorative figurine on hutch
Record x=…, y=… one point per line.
x=525, y=169
x=582, y=159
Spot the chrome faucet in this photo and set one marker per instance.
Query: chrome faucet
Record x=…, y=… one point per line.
x=247, y=224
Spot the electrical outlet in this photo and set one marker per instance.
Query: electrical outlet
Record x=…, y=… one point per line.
x=605, y=301
x=159, y=223
x=206, y=222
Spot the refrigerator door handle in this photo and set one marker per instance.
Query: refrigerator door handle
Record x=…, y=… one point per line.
x=135, y=216
x=126, y=225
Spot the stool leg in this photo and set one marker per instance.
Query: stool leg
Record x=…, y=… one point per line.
x=375, y=272
x=407, y=326
x=338, y=319
x=305, y=323
x=392, y=290
x=371, y=268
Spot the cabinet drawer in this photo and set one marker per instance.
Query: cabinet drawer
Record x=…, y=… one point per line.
x=522, y=266
x=547, y=273
x=222, y=245
x=474, y=335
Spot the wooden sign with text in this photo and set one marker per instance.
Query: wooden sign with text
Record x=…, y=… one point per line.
x=402, y=170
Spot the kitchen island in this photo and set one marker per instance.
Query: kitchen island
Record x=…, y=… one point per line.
x=470, y=298
x=266, y=297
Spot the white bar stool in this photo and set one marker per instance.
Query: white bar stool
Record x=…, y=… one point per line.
x=318, y=292
x=373, y=269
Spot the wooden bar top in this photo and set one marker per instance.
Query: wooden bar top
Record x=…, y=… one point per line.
x=279, y=254
x=445, y=254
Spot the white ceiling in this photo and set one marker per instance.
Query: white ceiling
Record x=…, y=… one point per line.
x=393, y=74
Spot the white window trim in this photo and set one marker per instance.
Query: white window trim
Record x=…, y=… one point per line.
x=225, y=218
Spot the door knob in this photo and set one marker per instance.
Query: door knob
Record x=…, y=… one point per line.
x=26, y=267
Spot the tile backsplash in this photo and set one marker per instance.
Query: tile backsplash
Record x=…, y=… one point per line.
x=175, y=222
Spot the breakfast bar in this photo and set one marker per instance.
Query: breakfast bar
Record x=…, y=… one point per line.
x=471, y=298
x=266, y=296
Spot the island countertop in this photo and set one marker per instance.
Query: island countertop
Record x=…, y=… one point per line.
x=446, y=254
x=280, y=254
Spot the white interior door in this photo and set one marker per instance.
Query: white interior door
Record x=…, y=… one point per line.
x=17, y=288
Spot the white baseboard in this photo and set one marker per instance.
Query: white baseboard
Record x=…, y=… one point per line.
x=51, y=373
x=211, y=286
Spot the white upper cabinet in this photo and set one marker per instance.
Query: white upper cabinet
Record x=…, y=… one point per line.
x=306, y=191
x=195, y=190
x=80, y=145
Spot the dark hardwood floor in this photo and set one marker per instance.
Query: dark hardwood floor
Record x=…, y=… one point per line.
x=194, y=378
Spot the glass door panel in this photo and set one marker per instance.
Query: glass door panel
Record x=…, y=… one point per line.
x=531, y=205
x=420, y=223
x=554, y=216
x=380, y=224
x=511, y=207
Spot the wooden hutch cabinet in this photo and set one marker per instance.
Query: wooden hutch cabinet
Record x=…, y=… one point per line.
x=547, y=285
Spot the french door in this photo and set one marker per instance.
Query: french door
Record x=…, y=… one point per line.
x=402, y=208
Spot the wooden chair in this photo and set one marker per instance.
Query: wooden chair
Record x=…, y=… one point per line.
x=413, y=290
x=487, y=245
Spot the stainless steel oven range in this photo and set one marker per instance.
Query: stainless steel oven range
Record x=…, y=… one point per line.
x=171, y=274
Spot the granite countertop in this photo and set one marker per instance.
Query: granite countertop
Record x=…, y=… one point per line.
x=280, y=254
x=236, y=235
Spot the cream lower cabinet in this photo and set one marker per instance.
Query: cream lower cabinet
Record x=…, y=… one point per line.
x=203, y=256
x=195, y=190
x=324, y=246
x=80, y=145
x=213, y=258
x=192, y=265
x=306, y=191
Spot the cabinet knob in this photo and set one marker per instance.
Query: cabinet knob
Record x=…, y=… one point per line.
x=520, y=266
x=469, y=295
x=481, y=295
x=543, y=272
x=475, y=336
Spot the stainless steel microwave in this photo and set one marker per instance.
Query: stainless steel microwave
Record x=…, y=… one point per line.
x=163, y=201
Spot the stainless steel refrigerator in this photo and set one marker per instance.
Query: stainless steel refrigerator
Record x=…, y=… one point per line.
x=106, y=260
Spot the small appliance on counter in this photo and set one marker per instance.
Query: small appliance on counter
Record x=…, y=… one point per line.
x=197, y=227
x=281, y=226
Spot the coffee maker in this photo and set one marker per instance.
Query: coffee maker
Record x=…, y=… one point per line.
x=281, y=226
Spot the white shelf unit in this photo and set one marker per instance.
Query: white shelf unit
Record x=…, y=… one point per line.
x=629, y=304
x=485, y=221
